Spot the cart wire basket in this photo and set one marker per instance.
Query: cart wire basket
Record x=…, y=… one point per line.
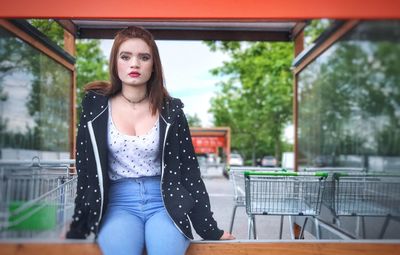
x=367, y=195
x=37, y=198
x=284, y=194
x=236, y=177
x=329, y=189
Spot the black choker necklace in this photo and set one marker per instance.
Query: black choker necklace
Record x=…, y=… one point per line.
x=134, y=102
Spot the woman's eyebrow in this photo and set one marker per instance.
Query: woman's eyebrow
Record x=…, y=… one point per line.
x=145, y=54
x=125, y=52
x=130, y=53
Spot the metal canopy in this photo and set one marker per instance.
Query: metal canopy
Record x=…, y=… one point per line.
x=202, y=9
x=266, y=20
x=228, y=30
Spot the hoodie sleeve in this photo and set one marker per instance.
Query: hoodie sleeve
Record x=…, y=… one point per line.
x=79, y=227
x=201, y=215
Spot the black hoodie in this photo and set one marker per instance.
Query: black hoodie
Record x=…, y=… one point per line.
x=184, y=193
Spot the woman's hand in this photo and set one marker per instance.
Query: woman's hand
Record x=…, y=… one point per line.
x=227, y=236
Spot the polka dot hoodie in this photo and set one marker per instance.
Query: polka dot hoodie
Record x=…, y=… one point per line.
x=184, y=194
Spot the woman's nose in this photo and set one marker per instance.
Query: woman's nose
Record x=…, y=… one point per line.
x=135, y=62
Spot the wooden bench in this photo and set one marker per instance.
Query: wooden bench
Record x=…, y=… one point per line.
x=236, y=247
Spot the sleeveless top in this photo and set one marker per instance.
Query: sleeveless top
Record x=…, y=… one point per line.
x=133, y=156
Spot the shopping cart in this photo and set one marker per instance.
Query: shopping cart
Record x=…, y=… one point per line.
x=37, y=198
x=285, y=194
x=329, y=189
x=367, y=195
x=236, y=176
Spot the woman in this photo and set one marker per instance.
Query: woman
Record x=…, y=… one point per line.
x=138, y=177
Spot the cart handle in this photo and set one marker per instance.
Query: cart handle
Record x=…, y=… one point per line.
x=281, y=173
x=337, y=175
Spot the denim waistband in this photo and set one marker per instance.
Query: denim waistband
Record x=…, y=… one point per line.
x=131, y=190
x=156, y=178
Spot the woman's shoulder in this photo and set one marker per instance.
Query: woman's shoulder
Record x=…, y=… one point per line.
x=95, y=93
x=101, y=88
x=172, y=108
x=97, y=88
x=94, y=98
x=174, y=102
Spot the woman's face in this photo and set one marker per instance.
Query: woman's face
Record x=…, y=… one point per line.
x=135, y=62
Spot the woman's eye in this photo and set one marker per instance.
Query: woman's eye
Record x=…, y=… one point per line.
x=145, y=58
x=124, y=57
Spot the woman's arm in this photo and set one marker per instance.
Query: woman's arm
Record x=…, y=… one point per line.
x=78, y=228
x=201, y=215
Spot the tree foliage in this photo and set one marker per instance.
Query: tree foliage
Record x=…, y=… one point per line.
x=255, y=99
x=91, y=64
x=349, y=102
x=193, y=120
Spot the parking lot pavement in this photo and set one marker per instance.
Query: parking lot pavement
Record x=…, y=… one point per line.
x=221, y=198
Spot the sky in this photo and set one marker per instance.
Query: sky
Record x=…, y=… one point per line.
x=187, y=66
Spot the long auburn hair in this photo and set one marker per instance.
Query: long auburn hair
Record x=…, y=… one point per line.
x=155, y=85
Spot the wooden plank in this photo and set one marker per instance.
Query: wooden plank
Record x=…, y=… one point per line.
x=49, y=249
x=69, y=43
x=70, y=47
x=295, y=122
x=294, y=248
x=202, y=9
x=193, y=34
x=298, y=48
x=68, y=25
x=73, y=114
x=219, y=248
x=298, y=31
x=299, y=43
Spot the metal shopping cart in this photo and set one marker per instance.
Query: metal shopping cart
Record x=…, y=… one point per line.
x=284, y=194
x=367, y=195
x=236, y=176
x=37, y=198
x=329, y=190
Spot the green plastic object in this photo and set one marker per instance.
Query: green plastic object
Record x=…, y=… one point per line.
x=43, y=216
x=338, y=175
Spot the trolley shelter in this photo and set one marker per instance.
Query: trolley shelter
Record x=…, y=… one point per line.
x=186, y=20
x=211, y=141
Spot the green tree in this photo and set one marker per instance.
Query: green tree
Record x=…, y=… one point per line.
x=256, y=98
x=91, y=64
x=193, y=120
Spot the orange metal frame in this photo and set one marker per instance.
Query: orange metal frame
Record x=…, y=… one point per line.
x=203, y=9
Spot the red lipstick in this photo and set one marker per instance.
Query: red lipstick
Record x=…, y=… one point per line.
x=134, y=74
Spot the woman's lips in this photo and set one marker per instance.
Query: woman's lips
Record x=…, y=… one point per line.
x=134, y=74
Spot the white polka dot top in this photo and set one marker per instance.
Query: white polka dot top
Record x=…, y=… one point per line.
x=133, y=156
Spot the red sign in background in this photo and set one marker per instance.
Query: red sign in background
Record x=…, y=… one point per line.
x=208, y=144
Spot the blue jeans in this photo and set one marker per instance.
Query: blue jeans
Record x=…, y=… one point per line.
x=136, y=217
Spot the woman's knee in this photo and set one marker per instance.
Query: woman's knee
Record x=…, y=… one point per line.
x=122, y=234
x=163, y=237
